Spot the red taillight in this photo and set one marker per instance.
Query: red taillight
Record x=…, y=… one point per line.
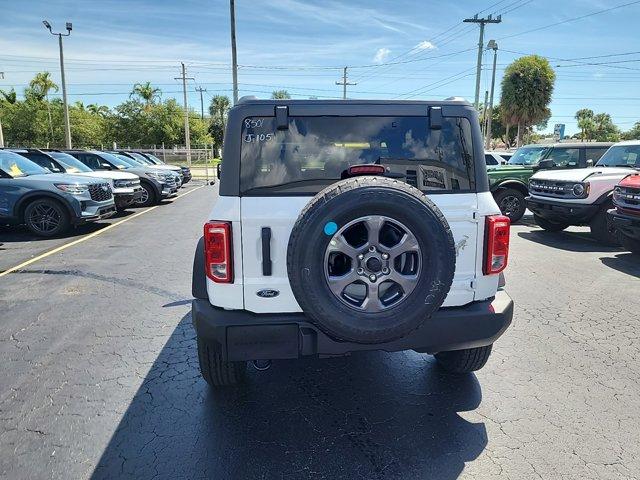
x=218, y=254
x=355, y=170
x=496, y=244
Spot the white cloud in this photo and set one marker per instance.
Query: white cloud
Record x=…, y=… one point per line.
x=425, y=45
x=381, y=55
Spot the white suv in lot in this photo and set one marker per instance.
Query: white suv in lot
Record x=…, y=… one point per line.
x=582, y=196
x=345, y=226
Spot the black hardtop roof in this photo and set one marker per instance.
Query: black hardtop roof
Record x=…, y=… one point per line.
x=436, y=103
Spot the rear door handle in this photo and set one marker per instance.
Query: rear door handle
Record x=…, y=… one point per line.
x=266, y=251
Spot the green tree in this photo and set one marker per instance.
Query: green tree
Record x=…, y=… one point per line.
x=146, y=92
x=604, y=129
x=40, y=86
x=96, y=109
x=9, y=97
x=219, y=108
x=527, y=87
x=280, y=95
x=633, y=133
x=584, y=116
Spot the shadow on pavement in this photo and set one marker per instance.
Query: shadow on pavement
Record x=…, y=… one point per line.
x=569, y=241
x=372, y=415
x=625, y=263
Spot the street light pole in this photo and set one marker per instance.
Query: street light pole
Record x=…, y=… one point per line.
x=67, y=126
x=1, y=134
x=492, y=45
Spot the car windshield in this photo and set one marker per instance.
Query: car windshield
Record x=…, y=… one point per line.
x=154, y=159
x=70, y=163
x=621, y=156
x=528, y=155
x=18, y=166
x=313, y=152
x=116, y=160
x=140, y=158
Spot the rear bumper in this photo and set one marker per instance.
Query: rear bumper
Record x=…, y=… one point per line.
x=562, y=212
x=242, y=335
x=626, y=224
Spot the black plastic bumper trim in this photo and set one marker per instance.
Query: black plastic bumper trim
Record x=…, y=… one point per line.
x=560, y=212
x=242, y=335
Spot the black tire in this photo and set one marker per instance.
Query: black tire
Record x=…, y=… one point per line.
x=631, y=244
x=548, y=225
x=215, y=371
x=464, y=361
x=150, y=197
x=511, y=203
x=601, y=229
x=352, y=199
x=34, y=217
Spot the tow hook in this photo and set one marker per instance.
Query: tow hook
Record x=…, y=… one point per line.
x=261, y=365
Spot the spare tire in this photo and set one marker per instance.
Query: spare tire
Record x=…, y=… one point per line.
x=370, y=259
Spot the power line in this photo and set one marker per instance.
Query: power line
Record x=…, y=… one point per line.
x=568, y=20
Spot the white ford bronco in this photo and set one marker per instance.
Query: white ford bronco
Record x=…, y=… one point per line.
x=344, y=226
x=560, y=198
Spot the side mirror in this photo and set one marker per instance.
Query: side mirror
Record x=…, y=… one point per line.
x=589, y=163
x=546, y=165
x=218, y=170
x=106, y=166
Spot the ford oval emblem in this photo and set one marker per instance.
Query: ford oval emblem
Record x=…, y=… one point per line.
x=267, y=293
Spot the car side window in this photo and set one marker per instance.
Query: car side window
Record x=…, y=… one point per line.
x=490, y=159
x=594, y=154
x=90, y=161
x=565, y=157
x=44, y=161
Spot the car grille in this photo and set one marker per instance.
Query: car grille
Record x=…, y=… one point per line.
x=549, y=188
x=100, y=192
x=627, y=197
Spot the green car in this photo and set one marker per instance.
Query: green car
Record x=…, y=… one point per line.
x=509, y=183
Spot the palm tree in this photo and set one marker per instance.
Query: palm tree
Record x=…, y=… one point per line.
x=280, y=95
x=219, y=107
x=527, y=87
x=10, y=96
x=585, y=119
x=146, y=92
x=39, y=87
x=96, y=109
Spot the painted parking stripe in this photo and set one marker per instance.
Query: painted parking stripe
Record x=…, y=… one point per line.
x=86, y=237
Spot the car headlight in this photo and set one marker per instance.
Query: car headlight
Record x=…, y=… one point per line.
x=580, y=189
x=157, y=175
x=121, y=183
x=72, y=188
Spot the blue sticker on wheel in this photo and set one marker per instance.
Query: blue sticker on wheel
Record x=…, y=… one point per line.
x=330, y=228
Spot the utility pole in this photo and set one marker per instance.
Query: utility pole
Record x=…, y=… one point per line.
x=187, y=138
x=67, y=127
x=234, y=55
x=1, y=134
x=492, y=45
x=344, y=83
x=484, y=111
x=200, y=89
x=482, y=22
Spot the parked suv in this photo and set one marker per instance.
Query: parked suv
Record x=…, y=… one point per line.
x=345, y=226
x=186, y=171
x=49, y=203
x=125, y=186
x=582, y=196
x=155, y=184
x=509, y=183
x=625, y=217
x=144, y=161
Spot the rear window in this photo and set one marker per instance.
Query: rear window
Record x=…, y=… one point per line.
x=314, y=152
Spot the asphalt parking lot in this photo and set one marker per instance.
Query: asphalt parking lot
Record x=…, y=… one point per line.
x=99, y=373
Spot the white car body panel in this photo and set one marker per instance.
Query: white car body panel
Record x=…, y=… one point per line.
x=110, y=176
x=464, y=212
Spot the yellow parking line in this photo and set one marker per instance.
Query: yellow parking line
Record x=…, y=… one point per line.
x=86, y=237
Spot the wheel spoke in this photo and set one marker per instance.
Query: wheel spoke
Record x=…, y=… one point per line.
x=372, y=302
x=340, y=244
x=407, y=282
x=374, y=224
x=408, y=243
x=337, y=284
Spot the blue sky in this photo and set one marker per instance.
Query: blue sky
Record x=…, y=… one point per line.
x=301, y=46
